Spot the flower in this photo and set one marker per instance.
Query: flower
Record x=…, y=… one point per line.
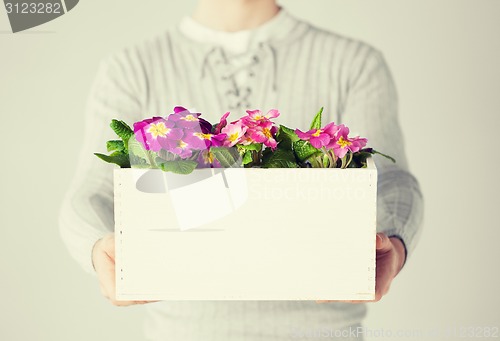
x=263, y=133
x=358, y=143
x=202, y=141
x=235, y=132
x=181, y=147
x=255, y=117
x=319, y=137
x=152, y=132
x=222, y=123
x=183, y=118
x=341, y=144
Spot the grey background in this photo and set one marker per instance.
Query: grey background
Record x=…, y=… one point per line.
x=444, y=57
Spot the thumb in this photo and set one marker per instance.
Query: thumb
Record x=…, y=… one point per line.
x=383, y=243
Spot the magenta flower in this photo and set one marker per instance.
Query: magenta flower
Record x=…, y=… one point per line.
x=255, y=117
x=151, y=133
x=263, y=133
x=200, y=141
x=183, y=118
x=319, y=137
x=235, y=132
x=341, y=144
x=222, y=123
x=358, y=143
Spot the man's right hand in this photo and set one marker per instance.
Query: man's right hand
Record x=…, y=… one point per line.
x=103, y=258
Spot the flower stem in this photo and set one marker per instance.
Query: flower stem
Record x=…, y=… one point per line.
x=350, y=159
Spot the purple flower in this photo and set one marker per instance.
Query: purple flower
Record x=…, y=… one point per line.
x=181, y=147
x=183, y=118
x=200, y=141
x=151, y=133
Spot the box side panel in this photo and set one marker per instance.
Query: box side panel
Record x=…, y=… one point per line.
x=296, y=235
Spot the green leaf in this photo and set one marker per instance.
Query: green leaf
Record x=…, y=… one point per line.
x=253, y=146
x=165, y=155
x=179, y=167
x=121, y=129
x=227, y=157
x=384, y=155
x=326, y=161
x=281, y=158
x=316, y=122
x=136, y=149
x=286, y=137
x=120, y=159
x=304, y=150
x=287, y=133
x=115, y=145
x=359, y=159
x=247, y=157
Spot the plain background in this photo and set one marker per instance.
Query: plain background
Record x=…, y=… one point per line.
x=445, y=58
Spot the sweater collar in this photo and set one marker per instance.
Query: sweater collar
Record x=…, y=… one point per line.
x=274, y=31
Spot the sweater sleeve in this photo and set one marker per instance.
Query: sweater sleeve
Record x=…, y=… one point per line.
x=87, y=209
x=371, y=110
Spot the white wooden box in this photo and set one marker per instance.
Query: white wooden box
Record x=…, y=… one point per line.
x=246, y=234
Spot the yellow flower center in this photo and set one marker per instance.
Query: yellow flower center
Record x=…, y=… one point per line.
x=190, y=118
x=267, y=133
x=317, y=132
x=158, y=129
x=181, y=144
x=343, y=143
x=203, y=136
x=233, y=137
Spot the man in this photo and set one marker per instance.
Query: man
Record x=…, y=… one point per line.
x=236, y=55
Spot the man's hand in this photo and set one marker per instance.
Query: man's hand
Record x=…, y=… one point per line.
x=103, y=258
x=390, y=259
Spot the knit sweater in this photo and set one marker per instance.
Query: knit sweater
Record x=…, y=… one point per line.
x=286, y=64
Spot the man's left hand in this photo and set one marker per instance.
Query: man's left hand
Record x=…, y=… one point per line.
x=390, y=259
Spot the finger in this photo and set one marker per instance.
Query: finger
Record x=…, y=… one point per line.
x=383, y=242
x=108, y=245
x=105, y=269
x=118, y=303
x=340, y=301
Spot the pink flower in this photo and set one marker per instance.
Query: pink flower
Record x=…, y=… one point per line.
x=152, y=132
x=255, y=117
x=358, y=143
x=222, y=123
x=263, y=133
x=235, y=132
x=319, y=137
x=341, y=144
